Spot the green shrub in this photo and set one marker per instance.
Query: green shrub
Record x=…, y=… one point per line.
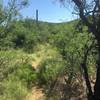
x=26, y=74
x=49, y=70
x=13, y=89
x=16, y=75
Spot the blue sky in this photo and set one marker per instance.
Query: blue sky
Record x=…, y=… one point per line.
x=49, y=10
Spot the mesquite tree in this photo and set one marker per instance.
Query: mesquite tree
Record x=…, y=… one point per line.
x=89, y=13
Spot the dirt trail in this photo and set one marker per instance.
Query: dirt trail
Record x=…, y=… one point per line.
x=36, y=94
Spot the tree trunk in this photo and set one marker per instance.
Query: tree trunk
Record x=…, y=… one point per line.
x=97, y=84
x=86, y=77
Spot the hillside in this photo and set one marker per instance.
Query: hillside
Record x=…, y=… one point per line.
x=45, y=55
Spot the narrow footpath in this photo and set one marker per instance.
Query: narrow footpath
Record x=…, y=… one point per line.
x=36, y=94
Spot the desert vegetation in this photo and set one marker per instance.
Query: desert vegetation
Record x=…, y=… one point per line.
x=59, y=58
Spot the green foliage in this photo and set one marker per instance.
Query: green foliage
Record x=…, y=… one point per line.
x=26, y=74
x=48, y=71
x=16, y=75
x=55, y=48
x=13, y=89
